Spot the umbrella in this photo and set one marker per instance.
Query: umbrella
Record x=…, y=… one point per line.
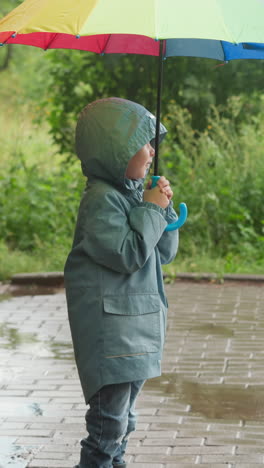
x=218, y=29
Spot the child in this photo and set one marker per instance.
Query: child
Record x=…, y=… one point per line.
x=116, y=302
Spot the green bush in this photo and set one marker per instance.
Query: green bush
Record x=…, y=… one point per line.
x=38, y=206
x=219, y=173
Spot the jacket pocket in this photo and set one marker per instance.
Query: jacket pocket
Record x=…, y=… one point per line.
x=131, y=324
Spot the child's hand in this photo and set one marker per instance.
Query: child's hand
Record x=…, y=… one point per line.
x=156, y=196
x=165, y=187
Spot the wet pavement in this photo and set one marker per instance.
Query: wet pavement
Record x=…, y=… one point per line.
x=206, y=409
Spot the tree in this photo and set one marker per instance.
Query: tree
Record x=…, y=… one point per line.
x=80, y=77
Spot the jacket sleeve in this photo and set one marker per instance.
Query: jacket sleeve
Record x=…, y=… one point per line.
x=169, y=241
x=119, y=240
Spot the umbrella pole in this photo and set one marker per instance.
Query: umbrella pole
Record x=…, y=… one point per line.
x=160, y=80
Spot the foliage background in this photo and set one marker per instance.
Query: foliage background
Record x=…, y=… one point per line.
x=213, y=153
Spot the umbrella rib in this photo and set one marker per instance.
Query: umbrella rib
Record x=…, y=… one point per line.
x=51, y=41
x=7, y=39
x=106, y=43
x=224, y=24
x=224, y=61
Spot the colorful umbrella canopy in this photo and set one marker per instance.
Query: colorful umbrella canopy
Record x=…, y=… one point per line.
x=219, y=29
x=93, y=25
x=233, y=21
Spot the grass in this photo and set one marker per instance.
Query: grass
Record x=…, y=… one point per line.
x=205, y=263
x=49, y=258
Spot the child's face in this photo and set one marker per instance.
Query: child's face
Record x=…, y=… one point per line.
x=140, y=162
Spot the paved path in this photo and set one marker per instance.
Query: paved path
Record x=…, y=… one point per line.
x=207, y=408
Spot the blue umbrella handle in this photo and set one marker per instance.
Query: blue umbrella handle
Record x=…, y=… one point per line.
x=182, y=207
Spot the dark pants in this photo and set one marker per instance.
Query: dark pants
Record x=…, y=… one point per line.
x=109, y=420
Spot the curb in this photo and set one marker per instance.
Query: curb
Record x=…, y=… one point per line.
x=214, y=277
x=56, y=279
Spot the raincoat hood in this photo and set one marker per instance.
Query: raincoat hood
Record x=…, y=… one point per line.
x=108, y=134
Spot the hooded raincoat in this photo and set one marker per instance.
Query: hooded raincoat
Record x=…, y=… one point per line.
x=114, y=287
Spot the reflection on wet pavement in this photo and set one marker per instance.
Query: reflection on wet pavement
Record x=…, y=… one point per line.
x=5, y=297
x=61, y=350
x=212, y=401
x=13, y=408
x=212, y=329
x=12, y=455
x=12, y=338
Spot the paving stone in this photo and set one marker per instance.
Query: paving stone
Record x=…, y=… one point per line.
x=204, y=465
x=25, y=432
x=147, y=465
x=256, y=458
x=39, y=463
x=204, y=450
x=149, y=434
x=56, y=447
x=12, y=425
x=51, y=455
x=248, y=465
x=159, y=458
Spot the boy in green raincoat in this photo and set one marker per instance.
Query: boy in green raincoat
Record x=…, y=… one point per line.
x=116, y=302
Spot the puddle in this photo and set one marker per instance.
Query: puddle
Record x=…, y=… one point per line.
x=212, y=329
x=61, y=350
x=36, y=409
x=9, y=373
x=14, y=409
x=12, y=338
x=14, y=456
x=212, y=401
x=5, y=297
